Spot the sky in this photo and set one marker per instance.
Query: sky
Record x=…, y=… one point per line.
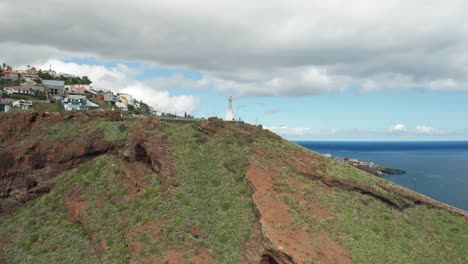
x=305, y=69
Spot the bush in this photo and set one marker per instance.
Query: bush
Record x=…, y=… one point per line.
x=215, y=121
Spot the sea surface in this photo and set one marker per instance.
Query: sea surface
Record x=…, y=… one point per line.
x=436, y=169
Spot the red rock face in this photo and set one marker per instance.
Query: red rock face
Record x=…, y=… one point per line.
x=26, y=164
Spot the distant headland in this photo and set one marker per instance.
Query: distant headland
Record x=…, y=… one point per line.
x=370, y=167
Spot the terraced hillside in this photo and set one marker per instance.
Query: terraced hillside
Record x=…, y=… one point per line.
x=92, y=188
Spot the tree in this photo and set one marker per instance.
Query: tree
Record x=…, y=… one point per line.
x=86, y=80
x=9, y=68
x=4, y=65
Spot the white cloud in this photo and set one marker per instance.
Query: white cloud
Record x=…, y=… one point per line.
x=397, y=132
x=163, y=101
x=179, y=80
x=121, y=78
x=399, y=128
x=291, y=48
x=426, y=129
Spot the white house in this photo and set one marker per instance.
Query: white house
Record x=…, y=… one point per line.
x=19, y=90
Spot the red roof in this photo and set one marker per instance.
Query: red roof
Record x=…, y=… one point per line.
x=78, y=89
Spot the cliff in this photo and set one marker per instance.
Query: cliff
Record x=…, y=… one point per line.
x=92, y=188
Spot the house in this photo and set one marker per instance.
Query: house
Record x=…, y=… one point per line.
x=29, y=76
x=109, y=97
x=126, y=99
x=23, y=104
x=31, y=90
x=77, y=89
x=54, y=87
x=78, y=103
x=10, y=75
x=91, y=93
x=19, y=90
x=121, y=106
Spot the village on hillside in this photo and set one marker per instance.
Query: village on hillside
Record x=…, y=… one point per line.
x=50, y=91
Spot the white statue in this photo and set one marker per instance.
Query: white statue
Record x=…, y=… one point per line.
x=230, y=113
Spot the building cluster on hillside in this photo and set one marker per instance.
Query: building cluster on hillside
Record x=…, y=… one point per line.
x=35, y=85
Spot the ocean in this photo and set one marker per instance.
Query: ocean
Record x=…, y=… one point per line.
x=436, y=169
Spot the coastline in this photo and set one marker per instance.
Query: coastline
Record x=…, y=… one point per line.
x=367, y=166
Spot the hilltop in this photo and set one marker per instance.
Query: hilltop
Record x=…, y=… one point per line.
x=95, y=188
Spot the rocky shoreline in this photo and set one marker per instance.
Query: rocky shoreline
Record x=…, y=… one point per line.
x=370, y=167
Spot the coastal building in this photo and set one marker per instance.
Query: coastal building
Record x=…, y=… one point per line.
x=121, y=106
x=22, y=104
x=91, y=94
x=29, y=76
x=78, y=103
x=54, y=87
x=32, y=90
x=126, y=99
x=78, y=89
x=10, y=75
x=109, y=97
x=230, y=112
x=18, y=90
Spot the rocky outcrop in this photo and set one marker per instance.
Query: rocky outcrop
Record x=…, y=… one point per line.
x=27, y=161
x=146, y=145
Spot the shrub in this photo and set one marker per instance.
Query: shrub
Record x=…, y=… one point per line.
x=216, y=122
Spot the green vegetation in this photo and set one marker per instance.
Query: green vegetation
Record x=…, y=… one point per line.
x=103, y=105
x=46, y=107
x=370, y=230
x=42, y=235
x=113, y=131
x=79, y=131
x=212, y=196
x=133, y=110
x=68, y=80
x=373, y=232
x=8, y=83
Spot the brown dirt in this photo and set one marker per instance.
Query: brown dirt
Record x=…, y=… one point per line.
x=332, y=252
x=26, y=161
x=253, y=248
x=150, y=260
x=175, y=256
x=198, y=256
x=283, y=242
x=202, y=256
x=151, y=149
x=133, y=176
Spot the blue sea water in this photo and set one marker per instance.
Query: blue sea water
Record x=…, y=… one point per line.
x=436, y=169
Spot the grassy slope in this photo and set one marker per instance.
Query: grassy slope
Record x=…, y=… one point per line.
x=46, y=107
x=370, y=230
x=214, y=197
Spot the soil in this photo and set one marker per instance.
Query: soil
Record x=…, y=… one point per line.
x=283, y=242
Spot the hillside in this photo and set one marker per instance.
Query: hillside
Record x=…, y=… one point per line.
x=92, y=188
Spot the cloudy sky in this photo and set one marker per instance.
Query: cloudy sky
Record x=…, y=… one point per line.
x=319, y=70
